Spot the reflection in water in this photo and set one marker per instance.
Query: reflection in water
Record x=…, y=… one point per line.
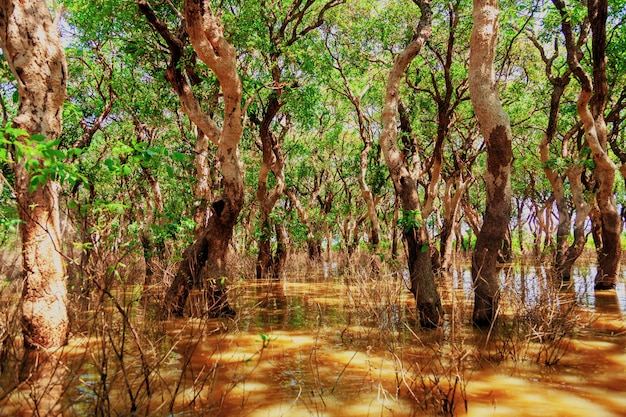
x=331, y=345
x=40, y=388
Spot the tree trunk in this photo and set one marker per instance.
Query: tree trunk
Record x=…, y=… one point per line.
x=394, y=231
x=583, y=208
x=206, y=262
x=520, y=224
x=496, y=130
x=206, y=259
x=176, y=296
x=265, y=260
x=557, y=182
x=366, y=137
x=604, y=170
x=30, y=42
x=314, y=246
x=591, y=112
x=451, y=217
x=202, y=188
x=429, y=307
x=272, y=161
x=282, y=250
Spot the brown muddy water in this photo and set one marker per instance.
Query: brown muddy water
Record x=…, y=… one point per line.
x=319, y=343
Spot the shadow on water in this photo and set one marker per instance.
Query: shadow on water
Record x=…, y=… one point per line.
x=326, y=344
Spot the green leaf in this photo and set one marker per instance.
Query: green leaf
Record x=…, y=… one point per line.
x=35, y=181
x=55, y=153
x=38, y=138
x=177, y=156
x=74, y=152
x=32, y=165
x=15, y=133
x=110, y=163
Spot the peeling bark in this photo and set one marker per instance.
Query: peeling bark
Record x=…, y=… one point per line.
x=206, y=260
x=591, y=105
x=496, y=130
x=429, y=307
x=31, y=45
x=272, y=161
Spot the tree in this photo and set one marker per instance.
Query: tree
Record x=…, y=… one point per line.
x=591, y=107
x=557, y=170
x=496, y=130
x=286, y=30
x=423, y=286
x=446, y=85
x=31, y=45
x=366, y=135
x=206, y=258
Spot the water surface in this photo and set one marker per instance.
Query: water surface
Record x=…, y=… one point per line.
x=326, y=344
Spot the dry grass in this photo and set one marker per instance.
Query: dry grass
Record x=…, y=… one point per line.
x=123, y=360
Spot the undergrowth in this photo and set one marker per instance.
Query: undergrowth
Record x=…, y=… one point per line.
x=123, y=359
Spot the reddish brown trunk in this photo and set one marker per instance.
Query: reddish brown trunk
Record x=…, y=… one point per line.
x=282, y=249
x=205, y=264
x=265, y=260
x=205, y=261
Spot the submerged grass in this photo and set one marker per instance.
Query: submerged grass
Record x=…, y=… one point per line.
x=329, y=339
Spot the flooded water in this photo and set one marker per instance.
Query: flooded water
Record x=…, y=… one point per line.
x=319, y=343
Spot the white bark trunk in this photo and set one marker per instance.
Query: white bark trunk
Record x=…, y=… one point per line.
x=31, y=45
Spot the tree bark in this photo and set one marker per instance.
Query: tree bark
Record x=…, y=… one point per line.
x=604, y=171
x=496, y=130
x=202, y=188
x=556, y=180
x=451, y=217
x=429, y=307
x=31, y=45
x=206, y=259
x=272, y=161
x=583, y=209
x=591, y=105
x=282, y=249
